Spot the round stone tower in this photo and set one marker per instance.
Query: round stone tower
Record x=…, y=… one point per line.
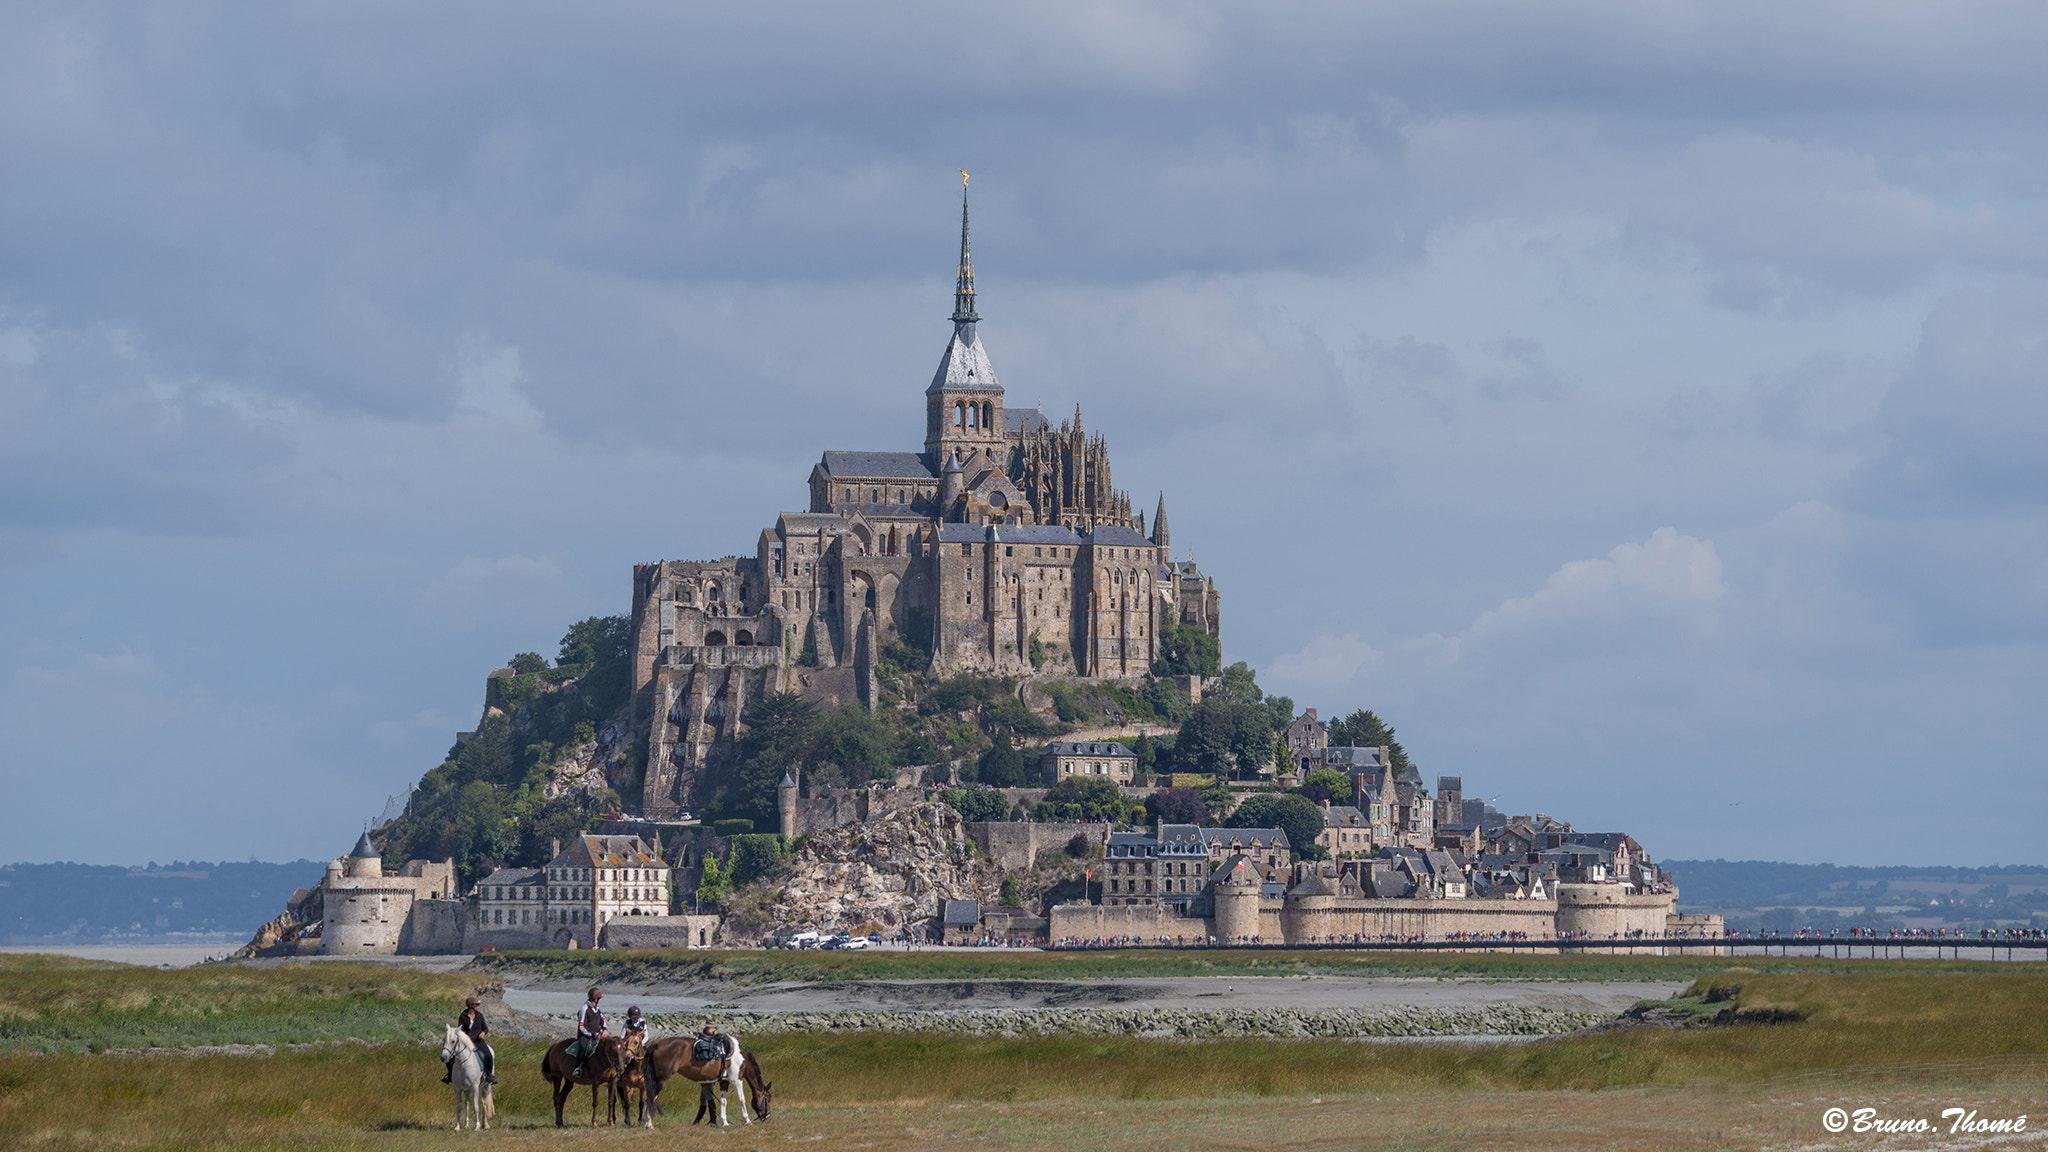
x=785, y=806
x=1237, y=904
x=1309, y=914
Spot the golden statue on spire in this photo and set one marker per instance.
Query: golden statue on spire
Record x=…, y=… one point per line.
x=963, y=176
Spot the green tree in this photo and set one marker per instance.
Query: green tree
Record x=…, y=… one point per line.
x=1002, y=766
x=781, y=733
x=1327, y=783
x=1187, y=650
x=597, y=640
x=716, y=879
x=1362, y=729
x=1241, y=684
x=1146, y=754
x=859, y=742
x=1168, y=701
x=1295, y=815
x=528, y=662
x=1013, y=892
x=977, y=805
x=1085, y=798
x=1283, y=753
x=1280, y=712
x=755, y=855
x=1178, y=806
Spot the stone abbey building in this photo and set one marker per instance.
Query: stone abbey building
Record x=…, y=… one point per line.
x=1004, y=545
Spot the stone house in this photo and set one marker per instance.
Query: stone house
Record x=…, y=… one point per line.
x=1309, y=739
x=1347, y=831
x=513, y=898
x=1099, y=759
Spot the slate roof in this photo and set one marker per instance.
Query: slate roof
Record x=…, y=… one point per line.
x=1249, y=837
x=893, y=465
x=1035, y=534
x=1088, y=748
x=1115, y=535
x=965, y=366
x=815, y=521
x=963, y=534
x=1353, y=756
x=364, y=850
x=511, y=876
x=1443, y=782
x=1181, y=839
x=962, y=912
x=1033, y=421
x=1342, y=816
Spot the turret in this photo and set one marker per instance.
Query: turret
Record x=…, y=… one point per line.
x=1162, y=538
x=951, y=481
x=785, y=806
x=364, y=861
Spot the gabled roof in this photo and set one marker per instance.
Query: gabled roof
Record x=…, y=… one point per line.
x=1015, y=420
x=1355, y=756
x=1342, y=816
x=1088, y=748
x=962, y=912
x=965, y=365
x=963, y=534
x=593, y=851
x=878, y=465
x=513, y=876
x=1249, y=837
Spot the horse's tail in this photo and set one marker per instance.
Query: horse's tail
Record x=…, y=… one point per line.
x=490, y=1101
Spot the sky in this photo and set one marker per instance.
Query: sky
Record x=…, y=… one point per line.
x=1639, y=405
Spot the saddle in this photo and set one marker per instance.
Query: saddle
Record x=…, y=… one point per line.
x=704, y=1050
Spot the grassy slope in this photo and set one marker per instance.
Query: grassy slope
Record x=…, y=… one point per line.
x=769, y=967
x=1883, y=1030
x=58, y=1004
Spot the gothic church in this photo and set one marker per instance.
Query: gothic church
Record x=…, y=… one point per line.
x=1002, y=547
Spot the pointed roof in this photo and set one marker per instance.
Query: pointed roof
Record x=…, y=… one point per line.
x=963, y=283
x=1159, y=530
x=364, y=850
x=953, y=463
x=965, y=364
x=788, y=780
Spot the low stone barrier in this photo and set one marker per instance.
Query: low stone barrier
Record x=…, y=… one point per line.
x=1491, y=1020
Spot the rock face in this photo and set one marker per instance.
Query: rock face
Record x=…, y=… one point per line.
x=896, y=872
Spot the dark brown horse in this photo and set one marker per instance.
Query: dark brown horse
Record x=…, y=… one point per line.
x=672, y=1059
x=631, y=1080
x=602, y=1068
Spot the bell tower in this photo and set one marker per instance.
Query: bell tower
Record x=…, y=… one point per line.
x=964, y=405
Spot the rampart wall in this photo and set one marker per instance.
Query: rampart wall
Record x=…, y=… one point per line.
x=1016, y=846
x=660, y=932
x=1589, y=910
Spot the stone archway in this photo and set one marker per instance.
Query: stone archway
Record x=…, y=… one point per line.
x=714, y=639
x=743, y=637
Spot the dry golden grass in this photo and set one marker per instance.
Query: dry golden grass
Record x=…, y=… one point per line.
x=1901, y=1041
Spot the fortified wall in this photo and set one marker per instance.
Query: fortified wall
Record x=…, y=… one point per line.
x=1594, y=911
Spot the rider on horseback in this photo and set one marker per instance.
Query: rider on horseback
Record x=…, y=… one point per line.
x=635, y=1026
x=589, y=1029
x=472, y=1024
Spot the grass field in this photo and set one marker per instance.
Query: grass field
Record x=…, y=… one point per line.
x=752, y=967
x=1896, y=1039
x=60, y=1004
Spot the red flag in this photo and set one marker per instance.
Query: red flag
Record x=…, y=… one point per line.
x=1089, y=874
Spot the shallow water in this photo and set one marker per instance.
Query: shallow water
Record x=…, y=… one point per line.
x=180, y=955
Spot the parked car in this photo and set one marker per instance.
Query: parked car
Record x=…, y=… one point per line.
x=853, y=942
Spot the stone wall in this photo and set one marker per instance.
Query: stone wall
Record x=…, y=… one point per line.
x=1325, y=919
x=1707, y=927
x=437, y=928
x=1015, y=847
x=1598, y=911
x=837, y=807
x=660, y=932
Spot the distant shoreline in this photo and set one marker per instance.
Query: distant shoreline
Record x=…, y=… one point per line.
x=172, y=955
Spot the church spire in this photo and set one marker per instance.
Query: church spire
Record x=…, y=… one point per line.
x=963, y=285
x=1160, y=534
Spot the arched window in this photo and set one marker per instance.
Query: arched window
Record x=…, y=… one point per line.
x=988, y=415
x=959, y=415
x=715, y=639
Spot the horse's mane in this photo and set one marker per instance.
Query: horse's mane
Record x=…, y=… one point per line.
x=461, y=1039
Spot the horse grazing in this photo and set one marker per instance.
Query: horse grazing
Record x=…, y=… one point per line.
x=472, y=1094
x=673, y=1059
x=602, y=1067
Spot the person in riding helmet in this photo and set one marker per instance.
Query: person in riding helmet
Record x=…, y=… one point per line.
x=589, y=1028
x=471, y=1022
x=635, y=1026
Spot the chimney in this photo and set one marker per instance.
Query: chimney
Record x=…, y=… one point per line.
x=554, y=848
x=1326, y=803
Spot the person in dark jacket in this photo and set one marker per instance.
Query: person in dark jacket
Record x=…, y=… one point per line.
x=471, y=1022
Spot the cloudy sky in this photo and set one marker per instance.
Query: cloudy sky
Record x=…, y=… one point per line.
x=1641, y=405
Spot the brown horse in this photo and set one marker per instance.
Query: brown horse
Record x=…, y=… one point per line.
x=672, y=1059
x=603, y=1066
x=632, y=1079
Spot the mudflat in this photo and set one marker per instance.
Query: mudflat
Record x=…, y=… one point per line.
x=557, y=997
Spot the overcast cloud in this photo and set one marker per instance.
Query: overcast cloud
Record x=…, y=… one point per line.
x=1640, y=405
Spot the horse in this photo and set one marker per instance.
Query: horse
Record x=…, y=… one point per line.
x=632, y=1079
x=673, y=1058
x=467, y=1074
x=603, y=1066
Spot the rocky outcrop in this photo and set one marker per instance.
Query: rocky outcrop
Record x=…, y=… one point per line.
x=895, y=873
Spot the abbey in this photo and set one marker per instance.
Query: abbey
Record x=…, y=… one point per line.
x=1003, y=547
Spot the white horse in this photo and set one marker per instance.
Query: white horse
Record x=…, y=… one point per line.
x=712, y=1094
x=467, y=1075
